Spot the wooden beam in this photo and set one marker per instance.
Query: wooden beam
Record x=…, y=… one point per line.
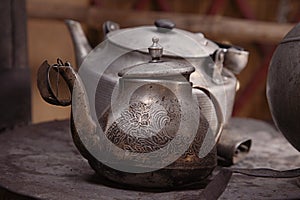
x=214, y=27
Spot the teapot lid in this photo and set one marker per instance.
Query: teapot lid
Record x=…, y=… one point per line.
x=158, y=68
x=176, y=42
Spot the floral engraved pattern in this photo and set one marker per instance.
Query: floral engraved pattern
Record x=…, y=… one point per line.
x=142, y=120
x=145, y=127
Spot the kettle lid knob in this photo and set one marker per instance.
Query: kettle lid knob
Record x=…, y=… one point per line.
x=164, y=24
x=155, y=50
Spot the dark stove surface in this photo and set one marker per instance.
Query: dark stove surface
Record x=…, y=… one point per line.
x=40, y=161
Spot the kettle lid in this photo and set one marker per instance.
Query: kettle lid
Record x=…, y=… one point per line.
x=177, y=42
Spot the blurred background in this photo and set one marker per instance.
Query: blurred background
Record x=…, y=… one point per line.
x=48, y=37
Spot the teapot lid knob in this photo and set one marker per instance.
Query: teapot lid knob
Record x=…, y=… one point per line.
x=155, y=50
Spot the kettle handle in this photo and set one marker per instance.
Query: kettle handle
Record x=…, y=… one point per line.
x=219, y=114
x=109, y=26
x=44, y=84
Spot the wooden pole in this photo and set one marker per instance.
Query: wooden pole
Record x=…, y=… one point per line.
x=15, y=82
x=6, y=54
x=19, y=21
x=214, y=27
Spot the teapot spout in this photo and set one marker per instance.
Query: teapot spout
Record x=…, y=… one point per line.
x=81, y=44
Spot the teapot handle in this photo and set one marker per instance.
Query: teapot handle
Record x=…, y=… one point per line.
x=219, y=114
x=44, y=84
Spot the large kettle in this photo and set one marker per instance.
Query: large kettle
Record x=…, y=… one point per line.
x=119, y=88
x=215, y=64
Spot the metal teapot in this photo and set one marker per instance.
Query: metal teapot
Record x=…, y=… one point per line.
x=189, y=119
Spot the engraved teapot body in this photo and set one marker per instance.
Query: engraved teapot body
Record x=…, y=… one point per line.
x=153, y=134
x=136, y=120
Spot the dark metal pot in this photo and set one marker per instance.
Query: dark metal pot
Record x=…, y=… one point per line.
x=283, y=87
